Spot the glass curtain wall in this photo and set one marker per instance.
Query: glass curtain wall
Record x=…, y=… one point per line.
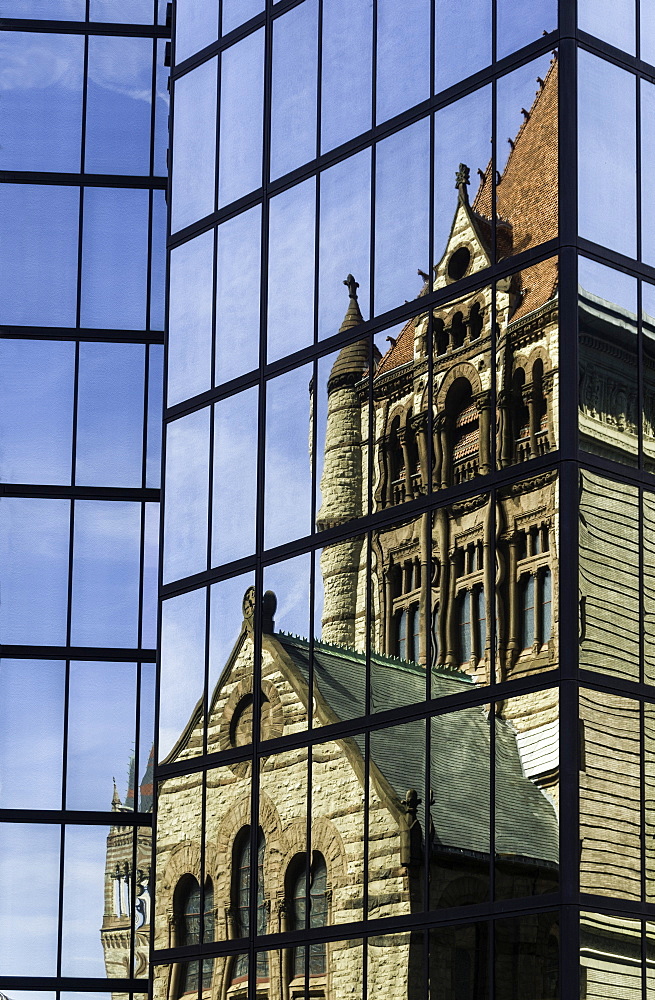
x=84, y=107
x=358, y=771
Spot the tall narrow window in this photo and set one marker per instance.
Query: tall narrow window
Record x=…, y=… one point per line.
x=187, y=905
x=479, y=621
x=401, y=634
x=318, y=910
x=527, y=611
x=241, y=903
x=435, y=634
x=413, y=633
x=464, y=626
x=546, y=605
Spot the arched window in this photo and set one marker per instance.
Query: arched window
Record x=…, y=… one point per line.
x=401, y=633
x=464, y=434
x=458, y=330
x=241, y=902
x=395, y=465
x=546, y=605
x=475, y=321
x=463, y=619
x=187, y=906
x=527, y=611
x=440, y=337
x=297, y=900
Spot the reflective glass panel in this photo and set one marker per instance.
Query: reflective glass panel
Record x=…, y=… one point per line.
x=462, y=42
x=194, y=146
x=236, y=12
x=29, y=932
x=181, y=692
x=41, y=88
x=186, y=510
x=240, y=139
x=291, y=270
x=613, y=22
x=190, y=318
x=523, y=21
x=288, y=473
x=237, y=295
x=345, y=70
x=196, y=25
x=235, y=476
x=293, y=110
x=403, y=56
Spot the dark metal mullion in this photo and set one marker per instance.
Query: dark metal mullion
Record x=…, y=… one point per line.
x=63, y=179
x=72, y=333
x=87, y=27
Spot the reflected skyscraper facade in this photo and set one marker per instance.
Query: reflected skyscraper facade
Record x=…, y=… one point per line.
x=84, y=109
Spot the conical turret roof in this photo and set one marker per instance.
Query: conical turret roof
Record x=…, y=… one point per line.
x=352, y=360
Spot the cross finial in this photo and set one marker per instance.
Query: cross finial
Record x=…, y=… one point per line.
x=463, y=176
x=352, y=286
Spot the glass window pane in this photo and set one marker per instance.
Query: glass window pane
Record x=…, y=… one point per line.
x=31, y=762
x=288, y=473
x=122, y=11
x=39, y=254
x=242, y=108
x=236, y=12
x=346, y=70
x=614, y=22
x=235, y=476
x=648, y=374
x=36, y=411
x=344, y=239
x=29, y=933
x=238, y=265
x=187, y=496
x=194, y=146
x=291, y=253
x=114, y=258
x=608, y=352
x=196, y=25
x=402, y=207
x=106, y=573
x=110, y=407
x=522, y=21
x=182, y=641
x=118, y=105
x=46, y=10
x=158, y=261
x=162, y=103
x=155, y=403
x=403, y=56
x=647, y=37
x=609, y=577
x=150, y=577
x=34, y=543
x=100, y=743
x=647, y=171
x=41, y=87
x=463, y=40
x=190, y=318
x=293, y=111
x=606, y=154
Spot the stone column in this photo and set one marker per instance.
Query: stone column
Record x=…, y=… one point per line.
x=530, y=401
x=402, y=437
x=483, y=404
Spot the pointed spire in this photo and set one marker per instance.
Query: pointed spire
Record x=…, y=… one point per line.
x=353, y=314
x=146, y=789
x=131, y=782
x=115, y=799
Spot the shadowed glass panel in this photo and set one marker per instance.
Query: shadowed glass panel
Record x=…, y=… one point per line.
x=403, y=56
x=608, y=352
x=31, y=757
x=114, y=258
x=36, y=411
x=648, y=583
x=606, y=154
x=397, y=959
x=459, y=962
x=292, y=236
x=106, y=567
x=34, y=549
x=182, y=641
x=186, y=510
x=234, y=476
x=237, y=295
x=110, y=407
x=41, y=88
x=345, y=70
x=527, y=957
x=39, y=253
x=148, y=639
x=609, y=577
x=157, y=261
x=241, y=119
x=29, y=933
x=196, y=25
x=118, y=102
x=293, y=109
x=610, y=795
x=194, y=146
x=154, y=416
x=190, y=318
x=288, y=478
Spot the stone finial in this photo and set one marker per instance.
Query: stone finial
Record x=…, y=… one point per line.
x=115, y=799
x=269, y=607
x=462, y=180
x=353, y=314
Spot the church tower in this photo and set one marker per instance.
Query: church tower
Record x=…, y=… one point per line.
x=342, y=482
